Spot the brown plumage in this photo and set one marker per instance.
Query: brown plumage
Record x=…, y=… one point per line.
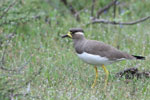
x=82, y=44
x=101, y=49
x=96, y=52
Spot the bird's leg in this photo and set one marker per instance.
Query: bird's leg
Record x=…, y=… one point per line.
x=107, y=74
x=95, y=77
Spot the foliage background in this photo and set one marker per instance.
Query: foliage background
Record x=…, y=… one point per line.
x=36, y=63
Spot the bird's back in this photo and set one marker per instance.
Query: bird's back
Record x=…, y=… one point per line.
x=104, y=50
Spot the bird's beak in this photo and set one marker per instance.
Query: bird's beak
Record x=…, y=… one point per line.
x=67, y=35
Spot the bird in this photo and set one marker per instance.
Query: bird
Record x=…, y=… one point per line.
x=97, y=53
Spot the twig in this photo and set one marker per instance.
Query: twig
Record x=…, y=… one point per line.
x=101, y=10
x=71, y=9
x=7, y=9
x=118, y=23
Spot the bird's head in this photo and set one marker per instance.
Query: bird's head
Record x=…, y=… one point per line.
x=75, y=33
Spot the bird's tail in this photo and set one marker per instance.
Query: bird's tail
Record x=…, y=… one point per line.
x=139, y=57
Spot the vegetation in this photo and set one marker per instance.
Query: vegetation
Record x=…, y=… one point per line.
x=36, y=63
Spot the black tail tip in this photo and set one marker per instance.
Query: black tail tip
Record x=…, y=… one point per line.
x=139, y=57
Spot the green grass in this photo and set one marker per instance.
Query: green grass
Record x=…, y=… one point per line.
x=64, y=76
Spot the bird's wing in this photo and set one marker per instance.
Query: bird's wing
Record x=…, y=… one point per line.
x=105, y=50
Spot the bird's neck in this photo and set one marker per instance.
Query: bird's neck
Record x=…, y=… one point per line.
x=78, y=44
x=79, y=41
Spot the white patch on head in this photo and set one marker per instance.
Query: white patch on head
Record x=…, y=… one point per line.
x=81, y=33
x=94, y=59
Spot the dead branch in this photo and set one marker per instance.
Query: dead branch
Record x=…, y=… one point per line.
x=95, y=21
x=71, y=9
x=8, y=8
x=130, y=73
x=101, y=10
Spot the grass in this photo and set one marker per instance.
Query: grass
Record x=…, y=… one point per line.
x=76, y=77
x=64, y=76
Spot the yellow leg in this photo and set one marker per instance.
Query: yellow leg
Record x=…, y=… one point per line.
x=107, y=74
x=95, y=77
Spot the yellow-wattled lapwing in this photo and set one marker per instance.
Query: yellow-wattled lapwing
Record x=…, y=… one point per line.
x=96, y=52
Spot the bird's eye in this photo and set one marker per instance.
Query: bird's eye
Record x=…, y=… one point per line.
x=72, y=33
